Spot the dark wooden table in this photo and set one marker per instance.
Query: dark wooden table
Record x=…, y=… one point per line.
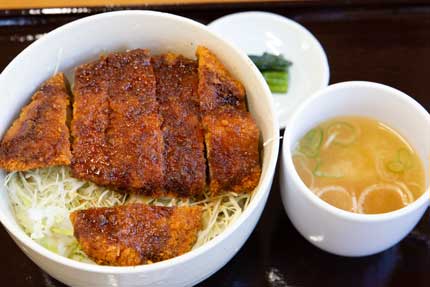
x=386, y=42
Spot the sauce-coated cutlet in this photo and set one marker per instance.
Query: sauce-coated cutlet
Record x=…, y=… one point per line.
x=217, y=88
x=231, y=134
x=136, y=233
x=232, y=140
x=116, y=123
x=185, y=164
x=40, y=136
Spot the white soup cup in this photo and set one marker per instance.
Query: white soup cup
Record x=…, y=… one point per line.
x=332, y=229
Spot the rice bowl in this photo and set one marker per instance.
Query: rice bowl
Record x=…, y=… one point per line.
x=84, y=40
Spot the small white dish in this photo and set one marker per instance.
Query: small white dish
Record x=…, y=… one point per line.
x=332, y=229
x=258, y=32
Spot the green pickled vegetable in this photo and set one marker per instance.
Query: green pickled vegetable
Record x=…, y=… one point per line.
x=274, y=69
x=277, y=81
x=270, y=62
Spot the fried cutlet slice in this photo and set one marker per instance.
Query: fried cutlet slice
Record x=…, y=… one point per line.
x=116, y=124
x=232, y=147
x=40, y=136
x=90, y=155
x=231, y=134
x=217, y=88
x=137, y=233
x=185, y=165
x=134, y=134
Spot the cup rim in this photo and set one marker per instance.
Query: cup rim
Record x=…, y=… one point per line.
x=318, y=202
x=263, y=189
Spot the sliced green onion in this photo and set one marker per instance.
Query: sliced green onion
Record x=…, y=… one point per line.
x=345, y=133
x=277, y=81
x=311, y=142
x=318, y=172
x=404, y=157
x=402, y=162
x=395, y=166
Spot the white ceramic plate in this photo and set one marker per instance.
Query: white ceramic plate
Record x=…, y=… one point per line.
x=258, y=32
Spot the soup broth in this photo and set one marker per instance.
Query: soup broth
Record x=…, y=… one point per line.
x=360, y=165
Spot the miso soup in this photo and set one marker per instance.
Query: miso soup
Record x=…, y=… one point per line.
x=360, y=165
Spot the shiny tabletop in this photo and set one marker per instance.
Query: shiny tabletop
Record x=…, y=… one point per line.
x=387, y=42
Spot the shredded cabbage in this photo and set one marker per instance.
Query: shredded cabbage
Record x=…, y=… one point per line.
x=42, y=200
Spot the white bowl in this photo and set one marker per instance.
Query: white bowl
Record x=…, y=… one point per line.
x=83, y=40
x=335, y=230
x=258, y=32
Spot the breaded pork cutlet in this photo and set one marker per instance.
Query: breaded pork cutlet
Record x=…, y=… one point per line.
x=217, y=88
x=116, y=124
x=40, y=136
x=185, y=165
x=90, y=121
x=137, y=233
x=232, y=140
x=231, y=135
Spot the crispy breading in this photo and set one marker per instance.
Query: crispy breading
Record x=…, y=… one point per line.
x=232, y=147
x=90, y=121
x=231, y=135
x=116, y=125
x=40, y=136
x=217, y=88
x=136, y=234
x=185, y=165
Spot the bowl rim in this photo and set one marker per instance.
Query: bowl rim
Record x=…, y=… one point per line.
x=424, y=199
x=262, y=190
x=298, y=28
